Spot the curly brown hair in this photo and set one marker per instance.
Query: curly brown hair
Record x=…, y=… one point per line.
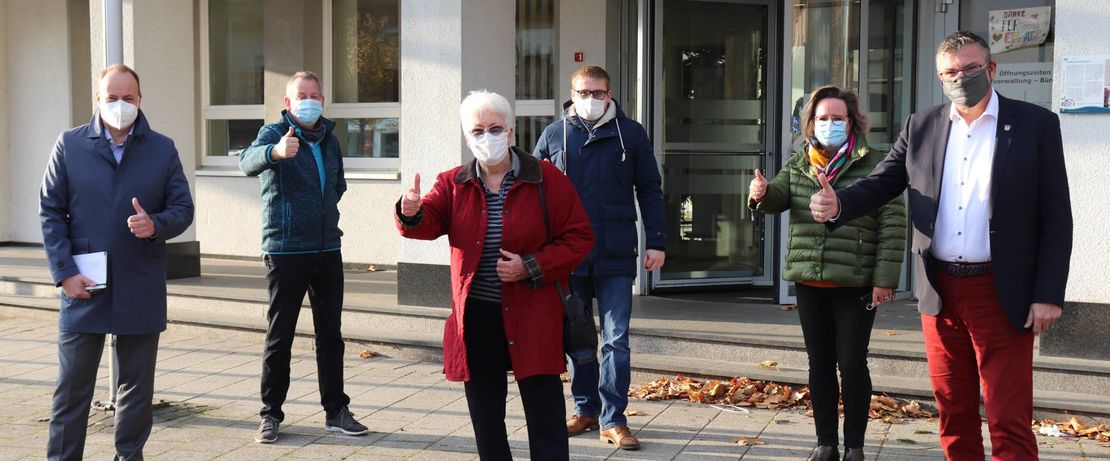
x=859, y=121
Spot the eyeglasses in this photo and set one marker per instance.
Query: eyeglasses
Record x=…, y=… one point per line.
x=597, y=94
x=837, y=120
x=494, y=130
x=969, y=71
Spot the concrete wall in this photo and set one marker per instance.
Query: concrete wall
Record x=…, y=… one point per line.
x=167, y=78
x=40, y=82
x=1080, y=30
x=5, y=167
x=581, y=26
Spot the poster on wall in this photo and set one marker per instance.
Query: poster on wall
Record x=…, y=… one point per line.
x=1026, y=81
x=1019, y=28
x=1086, y=87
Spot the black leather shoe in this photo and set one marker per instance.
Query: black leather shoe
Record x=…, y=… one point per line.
x=826, y=453
x=853, y=454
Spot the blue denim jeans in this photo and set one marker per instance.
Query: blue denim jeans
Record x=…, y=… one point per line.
x=601, y=388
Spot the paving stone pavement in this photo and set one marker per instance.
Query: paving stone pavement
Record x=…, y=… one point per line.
x=207, y=404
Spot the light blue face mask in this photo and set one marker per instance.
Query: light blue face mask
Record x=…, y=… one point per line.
x=307, y=111
x=831, y=133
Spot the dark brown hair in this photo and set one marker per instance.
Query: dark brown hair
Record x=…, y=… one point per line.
x=956, y=40
x=119, y=68
x=590, y=72
x=859, y=121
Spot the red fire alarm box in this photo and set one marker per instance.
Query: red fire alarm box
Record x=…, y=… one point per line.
x=579, y=56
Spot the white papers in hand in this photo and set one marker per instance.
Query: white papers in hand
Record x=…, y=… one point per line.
x=94, y=266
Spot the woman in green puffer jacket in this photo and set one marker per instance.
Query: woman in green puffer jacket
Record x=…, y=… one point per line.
x=841, y=275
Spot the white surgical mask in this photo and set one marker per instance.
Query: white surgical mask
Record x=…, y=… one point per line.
x=118, y=114
x=589, y=108
x=490, y=149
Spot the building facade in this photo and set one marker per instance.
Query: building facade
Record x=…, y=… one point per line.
x=717, y=83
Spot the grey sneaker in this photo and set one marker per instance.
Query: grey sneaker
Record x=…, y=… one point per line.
x=268, y=430
x=344, y=421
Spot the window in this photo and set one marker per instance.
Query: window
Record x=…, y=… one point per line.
x=361, y=80
x=232, y=66
x=535, y=70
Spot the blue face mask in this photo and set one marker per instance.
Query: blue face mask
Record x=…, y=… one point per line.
x=831, y=133
x=307, y=111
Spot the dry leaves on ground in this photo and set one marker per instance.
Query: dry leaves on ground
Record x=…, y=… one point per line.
x=746, y=392
x=891, y=333
x=748, y=441
x=634, y=413
x=1074, y=428
x=367, y=353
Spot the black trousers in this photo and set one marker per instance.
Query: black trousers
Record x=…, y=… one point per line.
x=487, y=357
x=837, y=325
x=290, y=277
x=78, y=364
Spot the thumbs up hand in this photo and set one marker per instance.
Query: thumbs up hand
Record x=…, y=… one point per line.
x=758, y=187
x=140, y=223
x=287, y=147
x=410, y=202
x=824, y=205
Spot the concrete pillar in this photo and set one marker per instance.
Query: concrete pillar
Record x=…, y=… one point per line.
x=168, y=82
x=1080, y=30
x=581, y=26
x=5, y=148
x=36, y=42
x=447, y=51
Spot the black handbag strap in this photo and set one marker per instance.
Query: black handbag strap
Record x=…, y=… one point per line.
x=547, y=233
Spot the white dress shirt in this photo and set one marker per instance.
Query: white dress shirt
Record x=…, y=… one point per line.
x=962, y=231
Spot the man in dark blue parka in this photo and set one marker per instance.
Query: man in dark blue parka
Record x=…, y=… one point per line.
x=112, y=185
x=608, y=157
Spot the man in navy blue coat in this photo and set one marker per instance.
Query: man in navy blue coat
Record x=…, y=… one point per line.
x=112, y=185
x=608, y=157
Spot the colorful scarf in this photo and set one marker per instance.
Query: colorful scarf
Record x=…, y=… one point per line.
x=831, y=166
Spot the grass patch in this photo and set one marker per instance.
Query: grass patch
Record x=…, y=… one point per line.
x=908, y=441
x=922, y=431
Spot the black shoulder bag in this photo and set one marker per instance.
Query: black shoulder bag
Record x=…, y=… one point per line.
x=579, y=330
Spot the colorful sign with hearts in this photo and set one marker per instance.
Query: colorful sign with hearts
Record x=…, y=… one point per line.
x=1019, y=28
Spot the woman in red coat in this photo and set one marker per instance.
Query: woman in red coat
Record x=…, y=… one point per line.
x=506, y=312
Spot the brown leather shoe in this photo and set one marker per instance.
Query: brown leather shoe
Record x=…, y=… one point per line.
x=621, y=437
x=578, y=424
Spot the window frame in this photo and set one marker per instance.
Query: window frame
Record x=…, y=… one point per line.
x=350, y=110
x=218, y=112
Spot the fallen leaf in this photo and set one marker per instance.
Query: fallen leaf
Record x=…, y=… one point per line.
x=367, y=353
x=768, y=364
x=891, y=333
x=1076, y=424
x=892, y=420
x=748, y=441
x=788, y=307
x=372, y=268
x=634, y=413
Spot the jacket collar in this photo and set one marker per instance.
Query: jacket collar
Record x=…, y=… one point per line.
x=529, y=168
x=95, y=129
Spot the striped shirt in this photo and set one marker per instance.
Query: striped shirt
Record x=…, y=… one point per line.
x=487, y=285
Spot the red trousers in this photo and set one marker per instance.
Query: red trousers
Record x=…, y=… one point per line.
x=972, y=345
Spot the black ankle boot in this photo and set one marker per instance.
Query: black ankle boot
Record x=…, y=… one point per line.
x=853, y=454
x=826, y=453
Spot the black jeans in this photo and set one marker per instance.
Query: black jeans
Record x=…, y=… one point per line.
x=290, y=276
x=487, y=357
x=837, y=329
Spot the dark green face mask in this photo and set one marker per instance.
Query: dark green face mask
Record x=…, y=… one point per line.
x=968, y=90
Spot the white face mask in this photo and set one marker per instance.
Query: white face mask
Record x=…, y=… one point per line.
x=118, y=114
x=589, y=108
x=490, y=149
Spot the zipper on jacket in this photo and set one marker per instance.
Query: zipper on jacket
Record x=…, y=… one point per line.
x=859, y=253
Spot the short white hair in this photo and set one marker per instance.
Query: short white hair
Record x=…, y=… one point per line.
x=479, y=101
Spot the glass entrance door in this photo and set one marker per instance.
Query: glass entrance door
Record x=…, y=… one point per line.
x=713, y=114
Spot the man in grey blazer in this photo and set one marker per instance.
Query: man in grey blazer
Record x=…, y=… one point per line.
x=117, y=186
